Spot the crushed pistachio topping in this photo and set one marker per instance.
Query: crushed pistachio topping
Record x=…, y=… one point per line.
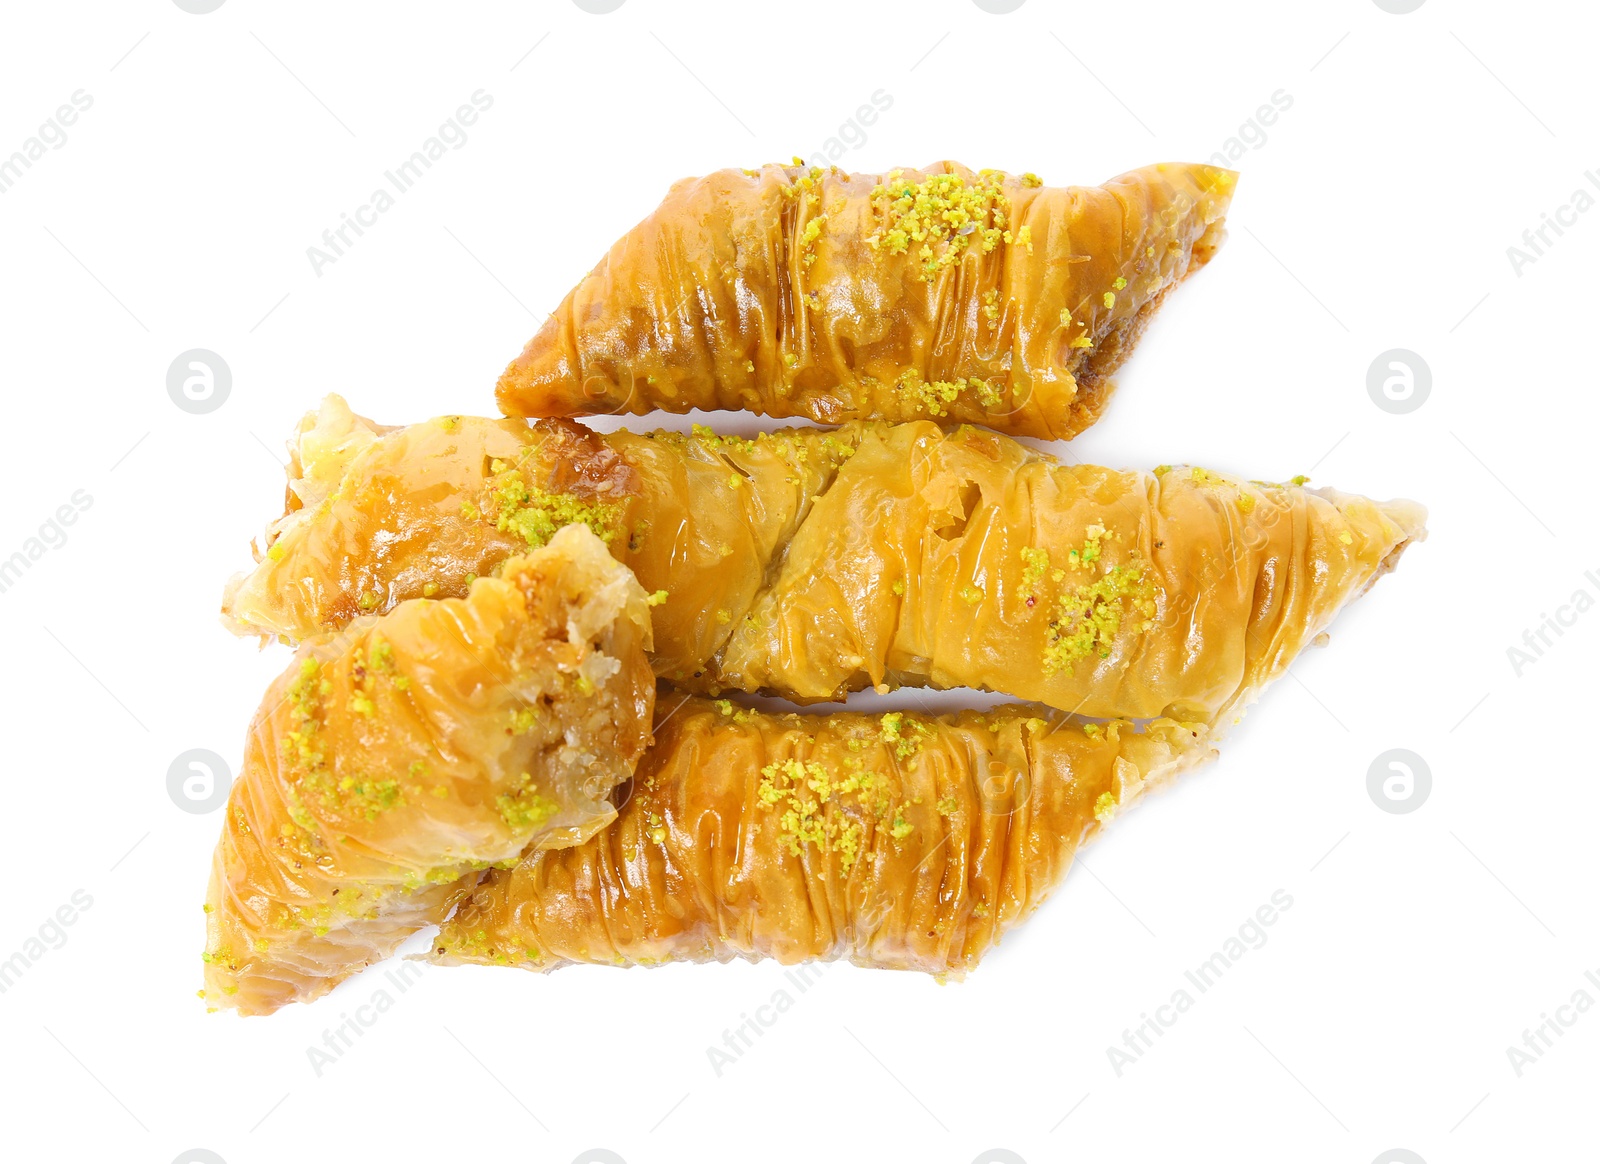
x=1105, y=807
x=1089, y=617
x=656, y=599
x=715, y=439
x=848, y=845
x=370, y=797
x=524, y=808
x=970, y=594
x=803, y=790
x=353, y=794
x=276, y=550
x=900, y=735
x=1034, y=564
x=300, y=745
x=1119, y=283
x=808, y=239
x=1089, y=553
x=1109, y=299
x=942, y=217
x=535, y=514
x=934, y=395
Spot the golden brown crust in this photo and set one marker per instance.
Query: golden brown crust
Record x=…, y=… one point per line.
x=394, y=762
x=973, y=296
x=900, y=842
x=965, y=559
x=809, y=564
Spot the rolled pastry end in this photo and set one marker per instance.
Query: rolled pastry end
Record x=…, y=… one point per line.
x=1200, y=196
x=393, y=763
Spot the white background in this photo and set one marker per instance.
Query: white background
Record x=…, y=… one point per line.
x=1376, y=214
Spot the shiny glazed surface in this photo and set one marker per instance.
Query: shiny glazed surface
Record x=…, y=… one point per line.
x=393, y=762
x=911, y=844
x=786, y=292
x=809, y=564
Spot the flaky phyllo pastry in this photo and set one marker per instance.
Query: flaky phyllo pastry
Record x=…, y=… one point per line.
x=936, y=293
x=483, y=609
x=809, y=564
x=897, y=841
x=395, y=761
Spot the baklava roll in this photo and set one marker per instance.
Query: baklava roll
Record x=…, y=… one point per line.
x=940, y=292
x=897, y=841
x=393, y=762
